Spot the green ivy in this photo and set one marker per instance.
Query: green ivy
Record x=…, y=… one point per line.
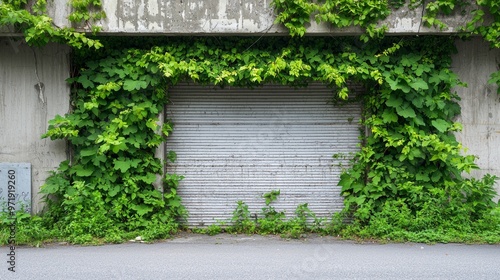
x=114, y=131
x=295, y=14
x=271, y=221
x=86, y=13
x=411, y=154
x=39, y=29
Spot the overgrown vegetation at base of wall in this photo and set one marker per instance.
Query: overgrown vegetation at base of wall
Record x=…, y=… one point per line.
x=406, y=183
x=392, y=224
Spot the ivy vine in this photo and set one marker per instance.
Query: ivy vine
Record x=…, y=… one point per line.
x=295, y=14
x=86, y=13
x=31, y=19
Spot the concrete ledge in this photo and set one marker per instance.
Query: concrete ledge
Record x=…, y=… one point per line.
x=243, y=17
x=240, y=17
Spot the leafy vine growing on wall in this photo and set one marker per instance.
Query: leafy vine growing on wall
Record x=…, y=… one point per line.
x=31, y=19
x=295, y=14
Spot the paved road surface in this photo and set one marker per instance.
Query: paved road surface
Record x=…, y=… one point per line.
x=255, y=257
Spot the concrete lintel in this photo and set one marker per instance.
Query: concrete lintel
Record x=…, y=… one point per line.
x=239, y=17
x=245, y=17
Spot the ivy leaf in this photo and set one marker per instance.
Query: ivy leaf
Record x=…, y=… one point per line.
x=392, y=83
x=130, y=85
x=418, y=120
x=154, y=69
x=359, y=200
x=389, y=116
x=495, y=79
x=421, y=176
x=84, y=80
x=97, y=159
x=437, y=78
x=394, y=102
x=406, y=112
x=435, y=176
x=357, y=187
x=405, y=61
x=419, y=84
x=88, y=152
x=376, y=179
x=81, y=171
x=114, y=190
x=120, y=147
x=421, y=68
x=100, y=78
x=441, y=125
x=92, y=65
x=149, y=178
x=416, y=153
x=417, y=101
x=142, y=209
x=419, y=71
x=63, y=166
x=174, y=203
x=345, y=180
x=122, y=165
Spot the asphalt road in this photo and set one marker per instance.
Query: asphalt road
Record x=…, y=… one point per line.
x=254, y=257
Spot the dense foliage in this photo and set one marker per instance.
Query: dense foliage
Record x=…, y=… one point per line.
x=31, y=19
x=367, y=14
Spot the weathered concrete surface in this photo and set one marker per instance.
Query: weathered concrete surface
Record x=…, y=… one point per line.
x=24, y=112
x=480, y=103
x=234, y=17
x=224, y=17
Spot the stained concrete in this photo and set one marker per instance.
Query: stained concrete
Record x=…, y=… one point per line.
x=239, y=17
x=480, y=104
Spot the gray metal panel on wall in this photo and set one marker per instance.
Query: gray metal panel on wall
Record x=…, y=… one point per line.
x=237, y=144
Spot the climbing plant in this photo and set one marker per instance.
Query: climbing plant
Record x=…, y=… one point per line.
x=411, y=156
x=295, y=14
x=31, y=19
x=86, y=13
x=114, y=131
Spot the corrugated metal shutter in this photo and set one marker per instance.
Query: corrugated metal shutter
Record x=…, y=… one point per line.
x=237, y=144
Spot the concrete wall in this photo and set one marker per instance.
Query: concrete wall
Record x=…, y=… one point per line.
x=226, y=17
x=480, y=103
x=24, y=112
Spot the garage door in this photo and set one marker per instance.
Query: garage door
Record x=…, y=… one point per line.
x=237, y=144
